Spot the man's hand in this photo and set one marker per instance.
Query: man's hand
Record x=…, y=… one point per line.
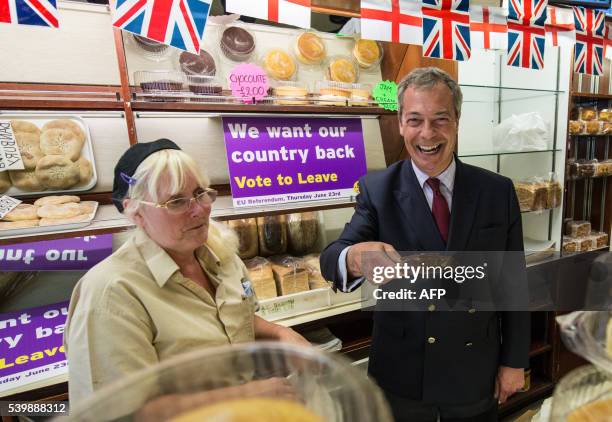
x=509, y=381
x=384, y=255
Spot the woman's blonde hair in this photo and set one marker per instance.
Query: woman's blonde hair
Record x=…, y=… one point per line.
x=170, y=169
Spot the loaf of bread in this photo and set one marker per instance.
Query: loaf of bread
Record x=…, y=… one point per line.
x=578, y=228
x=532, y=196
x=569, y=245
x=588, y=113
x=262, y=278
x=600, y=239
x=576, y=127
x=594, y=127
x=272, y=230
x=315, y=278
x=553, y=195
x=246, y=229
x=585, y=244
x=302, y=232
x=290, y=275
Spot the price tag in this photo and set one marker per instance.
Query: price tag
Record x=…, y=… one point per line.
x=7, y=204
x=385, y=94
x=10, y=157
x=248, y=81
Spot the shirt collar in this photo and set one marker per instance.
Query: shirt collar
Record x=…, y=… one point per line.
x=161, y=265
x=447, y=177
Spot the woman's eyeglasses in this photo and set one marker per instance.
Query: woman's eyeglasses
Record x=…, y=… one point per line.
x=181, y=205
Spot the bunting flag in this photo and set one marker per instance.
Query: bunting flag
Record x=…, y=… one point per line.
x=392, y=20
x=290, y=12
x=29, y=12
x=446, y=29
x=526, y=33
x=178, y=23
x=608, y=43
x=560, y=28
x=488, y=28
x=588, y=53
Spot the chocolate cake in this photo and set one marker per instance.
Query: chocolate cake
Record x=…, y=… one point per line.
x=198, y=64
x=237, y=44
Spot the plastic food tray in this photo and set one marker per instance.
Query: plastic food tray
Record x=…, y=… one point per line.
x=87, y=152
x=55, y=228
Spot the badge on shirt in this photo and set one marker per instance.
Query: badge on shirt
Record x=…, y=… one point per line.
x=247, y=286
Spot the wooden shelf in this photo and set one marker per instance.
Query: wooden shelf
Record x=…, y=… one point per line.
x=539, y=347
x=109, y=220
x=255, y=108
x=52, y=104
x=591, y=96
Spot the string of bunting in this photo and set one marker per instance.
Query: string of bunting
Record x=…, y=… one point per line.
x=447, y=29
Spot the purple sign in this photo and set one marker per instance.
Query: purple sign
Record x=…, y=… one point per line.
x=79, y=253
x=31, y=345
x=275, y=160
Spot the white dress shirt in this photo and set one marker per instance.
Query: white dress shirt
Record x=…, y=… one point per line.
x=447, y=183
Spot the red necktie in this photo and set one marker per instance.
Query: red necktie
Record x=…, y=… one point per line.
x=439, y=208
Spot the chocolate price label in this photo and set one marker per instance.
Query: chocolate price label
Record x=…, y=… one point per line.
x=249, y=82
x=385, y=94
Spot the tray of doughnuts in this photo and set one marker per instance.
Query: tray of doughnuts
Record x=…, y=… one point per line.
x=48, y=214
x=57, y=154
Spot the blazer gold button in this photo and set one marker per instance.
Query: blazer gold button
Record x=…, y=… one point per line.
x=431, y=307
x=468, y=344
x=472, y=310
x=431, y=340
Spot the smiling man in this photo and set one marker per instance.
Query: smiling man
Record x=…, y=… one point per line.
x=447, y=366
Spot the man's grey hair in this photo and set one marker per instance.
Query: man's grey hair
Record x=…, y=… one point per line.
x=427, y=78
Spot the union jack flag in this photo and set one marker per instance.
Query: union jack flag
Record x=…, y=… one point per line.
x=179, y=23
x=588, y=53
x=526, y=33
x=446, y=29
x=29, y=12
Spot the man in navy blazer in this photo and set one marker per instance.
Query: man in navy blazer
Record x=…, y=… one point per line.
x=447, y=366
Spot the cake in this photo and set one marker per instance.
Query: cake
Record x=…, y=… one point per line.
x=596, y=411
x=237, y=44
x=197, y=64
x=310, y=48
x=360, y=97
x=577, y=228
x=367, y=53
x=256, y=409
x=149, y=45
x=576, y=127
x=290, y=95
x=342, y=69
x=333, y=96
x=593, y=127
x=279, y=64
x=588, y=113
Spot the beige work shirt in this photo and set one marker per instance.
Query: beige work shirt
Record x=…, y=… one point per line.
x=135, y=309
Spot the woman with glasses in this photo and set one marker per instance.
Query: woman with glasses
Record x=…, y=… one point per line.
x=175, y=286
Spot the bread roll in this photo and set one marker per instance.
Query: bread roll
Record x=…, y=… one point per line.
x=56, y=200
x=59, y=211
x=26, y=180
x=22, y=212
x=29, y=148
x=21, y=224
x=67, y=124
x=5, y=181
x=69, y=220
x=23, y=126
x=57, y=172
x=61, y=142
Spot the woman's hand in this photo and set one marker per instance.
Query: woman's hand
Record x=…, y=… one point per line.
x=288, y=335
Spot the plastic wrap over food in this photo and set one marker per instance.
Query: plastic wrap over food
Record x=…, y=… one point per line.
x=523, y=132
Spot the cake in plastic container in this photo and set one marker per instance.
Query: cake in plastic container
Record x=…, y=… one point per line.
x=255, y=382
